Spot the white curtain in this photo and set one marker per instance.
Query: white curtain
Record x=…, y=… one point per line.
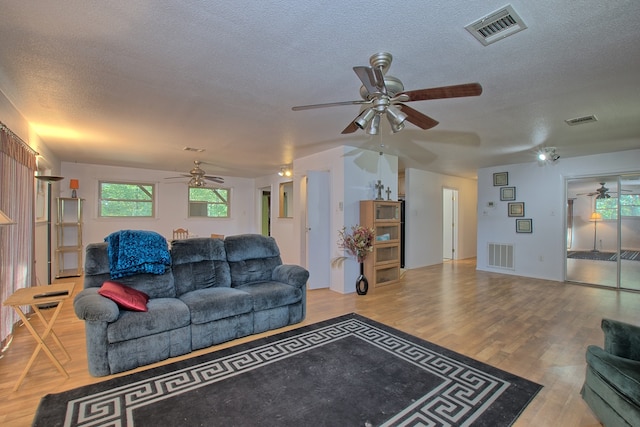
x=17, y=200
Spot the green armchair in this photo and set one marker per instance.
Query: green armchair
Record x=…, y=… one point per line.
x=612, y=382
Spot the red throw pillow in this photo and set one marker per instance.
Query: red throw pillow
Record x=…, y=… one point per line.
x=124, y=296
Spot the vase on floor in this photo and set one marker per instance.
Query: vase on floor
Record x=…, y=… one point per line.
x=362, y=284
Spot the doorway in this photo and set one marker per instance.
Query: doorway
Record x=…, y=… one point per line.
x=265, y=211
x=603, y=231
x=449, y=223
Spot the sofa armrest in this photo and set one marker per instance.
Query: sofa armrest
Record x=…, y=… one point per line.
x=293, y=275
x=623, y=374
x=621, y=339
x=91, y=306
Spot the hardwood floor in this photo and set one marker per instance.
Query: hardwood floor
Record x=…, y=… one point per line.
x=534, y=328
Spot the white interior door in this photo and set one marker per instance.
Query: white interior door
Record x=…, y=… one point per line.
x=317, y=229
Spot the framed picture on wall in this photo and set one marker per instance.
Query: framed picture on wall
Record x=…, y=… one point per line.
x=508, y=193
x=500, y=179
x=516, y=209
x=524, y=225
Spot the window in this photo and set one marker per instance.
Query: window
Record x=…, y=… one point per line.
x=629, y=206
x=209, y=202
x=121, y=200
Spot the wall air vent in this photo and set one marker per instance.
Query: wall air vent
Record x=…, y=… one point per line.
x=581, y=120
x=500, y=255
x=496, y=26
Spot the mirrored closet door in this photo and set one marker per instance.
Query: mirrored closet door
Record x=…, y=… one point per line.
x=603, y=231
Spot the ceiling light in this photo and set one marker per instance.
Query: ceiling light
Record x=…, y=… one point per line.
x=364, y=118
x=375, y=125
x=285, y=171
x=548, y=155
x=397, y=128
x=395, y=116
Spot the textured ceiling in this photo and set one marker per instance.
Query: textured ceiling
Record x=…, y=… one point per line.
x=132, y=82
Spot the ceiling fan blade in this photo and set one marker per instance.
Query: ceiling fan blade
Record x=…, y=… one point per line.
x=217, y=179
x=180, y=176
x=330, y=104
x=372, y=79
x=417, y=118
x=455, y=91
x=351, y=128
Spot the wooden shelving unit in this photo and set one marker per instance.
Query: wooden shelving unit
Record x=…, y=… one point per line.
x=69, y=237
x=382, y=266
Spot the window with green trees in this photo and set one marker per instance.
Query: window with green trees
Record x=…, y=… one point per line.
x=121, y=199
x=209, y=202
x=629, y=206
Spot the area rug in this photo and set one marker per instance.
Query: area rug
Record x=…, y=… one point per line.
x=347, y=371
x=605, y=256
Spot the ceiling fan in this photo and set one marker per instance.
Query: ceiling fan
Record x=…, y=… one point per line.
x=384, y=94
x=600, y=193
x=198, y=176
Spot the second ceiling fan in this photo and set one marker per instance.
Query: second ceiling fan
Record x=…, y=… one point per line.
x=386, y=95
x=198, y=176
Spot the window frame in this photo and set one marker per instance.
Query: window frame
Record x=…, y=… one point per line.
x=611, y=214
x=153, y=200
x=214, y=190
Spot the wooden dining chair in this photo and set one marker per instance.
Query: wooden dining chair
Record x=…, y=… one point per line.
x=217, y=236
x=180, y=234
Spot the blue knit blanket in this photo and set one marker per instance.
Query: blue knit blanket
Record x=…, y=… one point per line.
x=137, y=251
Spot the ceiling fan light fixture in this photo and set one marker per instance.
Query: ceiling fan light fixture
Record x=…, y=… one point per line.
x=374, y=126
x=364, y=118
x=197, y=181
x=395, y=116
x=397, y=128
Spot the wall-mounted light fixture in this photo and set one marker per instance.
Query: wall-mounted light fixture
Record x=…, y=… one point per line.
x=285, y=171
x=548, y=155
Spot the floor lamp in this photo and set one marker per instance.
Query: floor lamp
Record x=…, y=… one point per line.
x=595, y=217
x=49, y=179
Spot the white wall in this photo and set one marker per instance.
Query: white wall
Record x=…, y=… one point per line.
x=171, y=208
x=542, y=189
x=352, y=180
x=281, y=228
x=423, y=217
x=353, y=174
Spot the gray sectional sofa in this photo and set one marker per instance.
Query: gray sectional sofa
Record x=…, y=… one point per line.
x=214, y=291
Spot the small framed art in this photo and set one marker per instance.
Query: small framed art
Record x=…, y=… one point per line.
x=524, y=225
x=500, y=179
x=507, y=193
x=516, y=208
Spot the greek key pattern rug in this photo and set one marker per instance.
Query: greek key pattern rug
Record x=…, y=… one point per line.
x=457, y=390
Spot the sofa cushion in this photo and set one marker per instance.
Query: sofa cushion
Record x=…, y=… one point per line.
x=163, y=314
x=622, y=374
x=125, y=296
x=252, y=258
x=268, y=295
x=97, y=272
x=211, y=304
x=199, y=263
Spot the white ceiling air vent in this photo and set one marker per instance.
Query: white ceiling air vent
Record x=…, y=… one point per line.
x=496, y=26
x=581, y=120
x=197, y=150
